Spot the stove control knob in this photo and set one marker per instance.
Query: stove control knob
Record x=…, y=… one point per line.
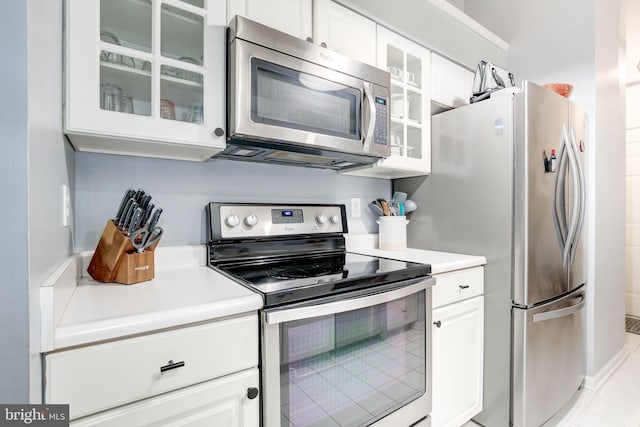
x=232, y=220
x=322, y=219
x=251, y=220
x=335, y=219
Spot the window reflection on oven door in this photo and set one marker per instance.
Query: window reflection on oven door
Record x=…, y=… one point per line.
x=356, y=360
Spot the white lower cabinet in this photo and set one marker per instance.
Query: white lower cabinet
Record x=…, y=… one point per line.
x=119, y=382
x=458, y=336
x=230, y=401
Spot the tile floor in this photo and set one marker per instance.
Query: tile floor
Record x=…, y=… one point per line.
x=615, y=405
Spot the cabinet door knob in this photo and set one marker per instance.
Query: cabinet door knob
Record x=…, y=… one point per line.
x=463, y=286
x=252, y=392
x=309, y=39
x=437, y=323
x=323, y=44
x=218, y=132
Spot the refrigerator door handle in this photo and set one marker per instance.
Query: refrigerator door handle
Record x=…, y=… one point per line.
x=554, y=314
x=559, y=213
x=576, y=200
x=581, y=193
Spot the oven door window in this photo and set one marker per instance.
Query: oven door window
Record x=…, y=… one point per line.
x=355, y=367
x=288, y=98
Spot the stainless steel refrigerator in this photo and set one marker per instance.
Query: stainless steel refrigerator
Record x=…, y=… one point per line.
x=495, y=190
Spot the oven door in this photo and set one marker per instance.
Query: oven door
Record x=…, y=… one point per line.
x=278, y=97
x=357, y=359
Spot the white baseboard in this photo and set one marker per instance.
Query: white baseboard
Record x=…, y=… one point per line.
x=595, y=382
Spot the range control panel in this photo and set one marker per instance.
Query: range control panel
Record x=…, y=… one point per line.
x=260, y=220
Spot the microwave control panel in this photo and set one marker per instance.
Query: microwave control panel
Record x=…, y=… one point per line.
x=381, y=134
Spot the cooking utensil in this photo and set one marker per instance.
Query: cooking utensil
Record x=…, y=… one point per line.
x=385, y=207
x=399, y=196
x=129, y=215
x=144, y=202
x=145, y=237
x=147, y=213
x=410, y=206
x=127, y=206
x=376, y=208
x=154, y=219
x=135, y=219
x=127, y=195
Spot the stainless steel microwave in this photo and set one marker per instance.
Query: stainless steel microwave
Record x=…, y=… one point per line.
x=292, y=102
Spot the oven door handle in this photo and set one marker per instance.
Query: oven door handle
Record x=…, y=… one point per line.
x=316, y=310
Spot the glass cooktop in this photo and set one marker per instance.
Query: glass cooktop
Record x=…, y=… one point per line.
x=301, y=278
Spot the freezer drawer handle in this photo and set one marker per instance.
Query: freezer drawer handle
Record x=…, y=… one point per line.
x=567, y=311
x=171, y=365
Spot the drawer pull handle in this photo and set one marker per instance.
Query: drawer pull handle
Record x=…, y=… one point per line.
x=463, y=286
x=171, y=365
x=437, y=323
x=252, y=392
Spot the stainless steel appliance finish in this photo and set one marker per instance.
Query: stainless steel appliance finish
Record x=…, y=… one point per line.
x=292, y=102
x=344, y=338
x=489, y=193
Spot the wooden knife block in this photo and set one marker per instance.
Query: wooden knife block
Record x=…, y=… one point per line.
x=116, y=260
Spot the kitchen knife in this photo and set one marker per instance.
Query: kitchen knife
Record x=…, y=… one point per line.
x=129, y=215
x=124, y=213
x=145, y=201
x=154, y=219
x=147, y=214
x=135, y=219
x=139, y=194
x=127, y=195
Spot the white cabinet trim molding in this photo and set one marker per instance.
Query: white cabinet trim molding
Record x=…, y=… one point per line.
x=465, y=19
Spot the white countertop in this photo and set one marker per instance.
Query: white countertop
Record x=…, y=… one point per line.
x=183, y=291
x=76, y=310
x=441, y=262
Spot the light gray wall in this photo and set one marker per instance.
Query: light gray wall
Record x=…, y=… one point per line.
x=14, y=313
x=183, y=189
x=50, y=163
x=426, y=24
x=579, y=41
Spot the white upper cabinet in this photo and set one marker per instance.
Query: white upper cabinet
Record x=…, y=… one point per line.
x=290, y=16
x=344, y=31
x=146, y=77
x=450, y=83
x=410, y=133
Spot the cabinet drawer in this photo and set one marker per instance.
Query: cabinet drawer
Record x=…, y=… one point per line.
x=457, y=286
x=221, y=402
x=98, y=377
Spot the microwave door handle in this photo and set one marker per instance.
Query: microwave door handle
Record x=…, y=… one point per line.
x=368, y=135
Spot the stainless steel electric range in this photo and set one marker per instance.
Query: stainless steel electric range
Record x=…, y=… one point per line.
x=343, y=336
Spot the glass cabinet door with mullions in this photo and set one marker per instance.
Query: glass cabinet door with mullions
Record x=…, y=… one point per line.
x=146, y=77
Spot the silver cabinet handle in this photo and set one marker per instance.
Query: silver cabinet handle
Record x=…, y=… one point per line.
x=463, y=287
x=323, y=44
x=437, y=323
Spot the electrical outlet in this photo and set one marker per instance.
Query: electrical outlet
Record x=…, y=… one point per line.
x=66, y=205
x=355, y=207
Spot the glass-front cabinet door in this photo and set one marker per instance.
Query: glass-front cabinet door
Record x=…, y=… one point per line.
x=409, y=66
x=146, y=77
